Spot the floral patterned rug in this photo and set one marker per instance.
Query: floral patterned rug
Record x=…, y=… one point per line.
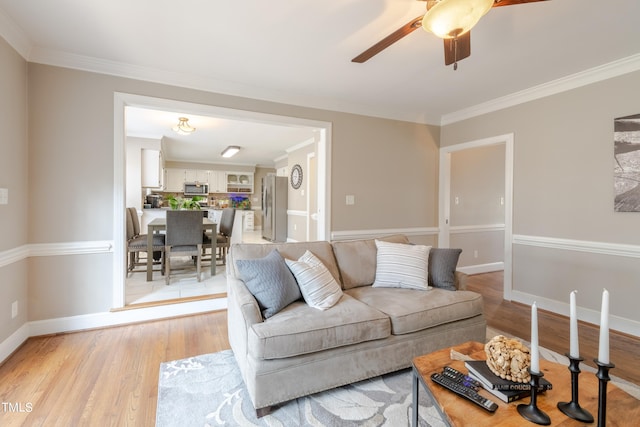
x=208, y=390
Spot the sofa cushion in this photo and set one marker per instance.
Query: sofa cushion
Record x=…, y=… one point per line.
x=442, y=267
x=318, y=287
x=401, y=266
x=270, y=281
x=300, y=329
x=357, y=259
x=410, y=310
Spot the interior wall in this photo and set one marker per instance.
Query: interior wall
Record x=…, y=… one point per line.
x=71, y=169
x=14, y=177
x=297, y=206
x=563, y=198
x=477, y=204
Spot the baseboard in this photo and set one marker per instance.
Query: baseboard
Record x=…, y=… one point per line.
x=15, y=340
x=105, y=319
x=482, y=268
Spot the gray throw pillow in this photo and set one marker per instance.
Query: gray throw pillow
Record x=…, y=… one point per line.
x=270, y=282
x=442, y=267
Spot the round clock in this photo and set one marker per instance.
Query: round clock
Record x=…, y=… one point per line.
x=296, y=176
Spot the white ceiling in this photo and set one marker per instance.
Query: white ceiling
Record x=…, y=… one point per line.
x=261, y=143
x=299, y=52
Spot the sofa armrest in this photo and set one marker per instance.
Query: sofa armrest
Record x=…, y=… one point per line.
x=460, y=280
x=242, y=313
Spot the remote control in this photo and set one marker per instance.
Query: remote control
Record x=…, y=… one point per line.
x=461, y=378
x=465, y=392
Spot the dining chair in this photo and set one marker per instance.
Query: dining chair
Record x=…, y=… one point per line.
x=223, y=237
x=137, y=243
x=183, y=238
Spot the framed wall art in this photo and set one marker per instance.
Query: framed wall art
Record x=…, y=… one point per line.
x=626, y=152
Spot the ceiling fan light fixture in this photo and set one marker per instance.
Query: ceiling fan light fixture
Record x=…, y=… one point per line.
x=230, y=151
x=183, y=127
x=449, y=19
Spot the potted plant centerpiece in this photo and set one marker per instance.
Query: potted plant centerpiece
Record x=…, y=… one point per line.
x=180, y=203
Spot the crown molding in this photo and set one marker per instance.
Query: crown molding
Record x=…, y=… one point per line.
x=583, y=78
x=15, y=36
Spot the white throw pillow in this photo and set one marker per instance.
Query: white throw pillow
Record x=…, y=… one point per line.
x=402, y=266
x=318, y=287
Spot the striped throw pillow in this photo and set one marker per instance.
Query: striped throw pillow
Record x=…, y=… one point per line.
x=317, y=286
x=401, y=266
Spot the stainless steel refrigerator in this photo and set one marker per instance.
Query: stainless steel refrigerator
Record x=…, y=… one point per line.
x=274, y=208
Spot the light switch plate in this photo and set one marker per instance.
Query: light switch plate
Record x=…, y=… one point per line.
x=4, y=196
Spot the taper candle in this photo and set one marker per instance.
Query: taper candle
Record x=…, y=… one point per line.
x=574, y=350
x=603, y=350
x=535, y=355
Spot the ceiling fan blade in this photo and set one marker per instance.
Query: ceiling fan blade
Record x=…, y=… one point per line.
x=389, y=40
x=498, y=3
x=453, y=53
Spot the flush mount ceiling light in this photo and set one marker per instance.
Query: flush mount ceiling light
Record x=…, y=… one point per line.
x=183, y=127
x=230, y=151
x=449, y=19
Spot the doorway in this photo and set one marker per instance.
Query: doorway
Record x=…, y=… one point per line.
x=445, y=210
x=122, y=100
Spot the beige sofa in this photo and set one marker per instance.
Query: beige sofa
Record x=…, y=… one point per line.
x=371, y=331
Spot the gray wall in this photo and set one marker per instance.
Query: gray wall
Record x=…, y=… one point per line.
x=13, y=176
x=477, y=186
x=563, y=195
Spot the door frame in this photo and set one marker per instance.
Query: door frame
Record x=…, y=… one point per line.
x=122, y=100
x=445, y=199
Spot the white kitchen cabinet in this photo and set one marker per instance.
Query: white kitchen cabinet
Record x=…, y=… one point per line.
x=196, y=175
x=215, y=215
x=240, y=182
x=174, y=180
x=151, y=168
x=218, y=182
x=248, y=220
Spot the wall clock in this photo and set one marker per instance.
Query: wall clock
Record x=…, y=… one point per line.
x=296, y=176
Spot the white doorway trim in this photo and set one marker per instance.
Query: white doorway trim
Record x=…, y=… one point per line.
x=445, y=198
x=122, y=100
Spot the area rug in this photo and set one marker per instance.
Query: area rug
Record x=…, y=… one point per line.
x=208, y=390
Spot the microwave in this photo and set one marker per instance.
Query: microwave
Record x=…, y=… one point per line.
x=196, y=189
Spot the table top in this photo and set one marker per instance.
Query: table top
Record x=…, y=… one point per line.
x=622, y=408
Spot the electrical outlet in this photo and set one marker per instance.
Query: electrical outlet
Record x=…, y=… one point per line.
x=351, y=200
x=475, y=253
x=14, y=310
x=456, y=200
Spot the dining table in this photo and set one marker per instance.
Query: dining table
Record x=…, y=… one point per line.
x=157, y=225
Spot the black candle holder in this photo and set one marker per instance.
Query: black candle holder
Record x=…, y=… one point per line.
x=573, y=409
x=531, y=412
x=603, y=376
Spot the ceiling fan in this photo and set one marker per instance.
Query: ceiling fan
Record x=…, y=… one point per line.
x=450, y=20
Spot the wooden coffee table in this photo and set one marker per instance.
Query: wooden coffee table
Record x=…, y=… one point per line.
x=622, y=408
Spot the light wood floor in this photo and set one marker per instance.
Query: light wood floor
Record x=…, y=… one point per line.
x=109, y=377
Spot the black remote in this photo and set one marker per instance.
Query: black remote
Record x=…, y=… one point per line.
x=461, y=378
x=465, y=392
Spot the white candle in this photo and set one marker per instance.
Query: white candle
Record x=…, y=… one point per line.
x=573, y=327
x=535, y=357
x=603, y=351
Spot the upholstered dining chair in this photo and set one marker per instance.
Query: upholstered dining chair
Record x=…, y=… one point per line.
x=137, y=243
x=183, y=238
x=223, y=237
